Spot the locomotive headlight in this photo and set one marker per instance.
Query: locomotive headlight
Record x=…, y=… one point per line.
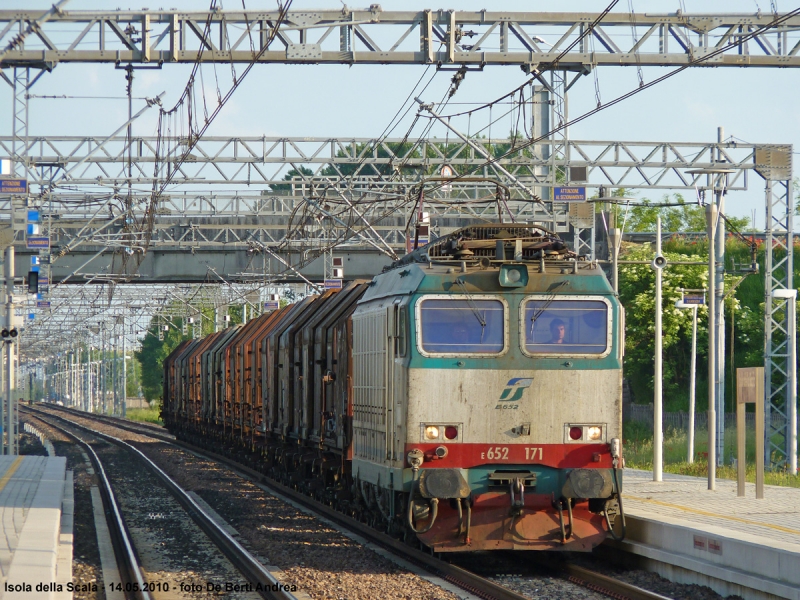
x=594, y=432
x=513, y=275
x=431, y=432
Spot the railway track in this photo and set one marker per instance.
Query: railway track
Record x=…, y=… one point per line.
x=475, y=584
x=134, y=580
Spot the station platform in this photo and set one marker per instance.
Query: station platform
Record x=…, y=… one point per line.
x=36, y=510
x=736, y=546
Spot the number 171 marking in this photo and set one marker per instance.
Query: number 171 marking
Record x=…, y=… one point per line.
x=533, y=453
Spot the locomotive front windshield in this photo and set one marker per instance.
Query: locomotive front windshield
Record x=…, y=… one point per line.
x=471, y=326
x=565, y=326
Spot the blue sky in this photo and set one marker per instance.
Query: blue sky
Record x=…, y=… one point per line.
x=754, y=105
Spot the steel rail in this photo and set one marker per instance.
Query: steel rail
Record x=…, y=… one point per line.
x=250, y=566
x=608, y=585
x=465, y=579
x=124, y=551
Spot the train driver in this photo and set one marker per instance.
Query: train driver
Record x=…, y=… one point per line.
x=558, y=331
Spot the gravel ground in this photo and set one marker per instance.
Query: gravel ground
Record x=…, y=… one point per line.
x=327, y=565
x=319, y=560
x=649, y=581
x=522, y=574
x=175, y=554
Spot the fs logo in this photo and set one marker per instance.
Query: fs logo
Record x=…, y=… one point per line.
x=513, y=392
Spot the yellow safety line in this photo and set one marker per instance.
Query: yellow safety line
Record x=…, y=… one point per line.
x=710, y=514
x=10, y=472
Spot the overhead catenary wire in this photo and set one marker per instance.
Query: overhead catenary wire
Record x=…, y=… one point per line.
x=694, y=62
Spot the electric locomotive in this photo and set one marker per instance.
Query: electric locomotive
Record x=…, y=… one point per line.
x=469, y=396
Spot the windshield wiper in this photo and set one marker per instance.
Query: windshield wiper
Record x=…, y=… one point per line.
x=473, y=307
x=537, y=312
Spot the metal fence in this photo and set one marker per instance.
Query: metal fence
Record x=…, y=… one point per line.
x=643, y=413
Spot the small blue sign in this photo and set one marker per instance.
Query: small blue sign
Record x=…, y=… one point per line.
x=43, y=304
x=271, y=305
x=31, y=316
x=694, y=299
x=35, y=268
x=38, y=242
x=13, y=186
x=333, y=284
x=569, y=194
x=33, y=216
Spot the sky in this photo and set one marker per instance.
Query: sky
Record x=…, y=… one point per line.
x=753, y=105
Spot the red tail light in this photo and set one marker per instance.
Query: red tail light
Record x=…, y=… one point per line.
x=451, y=432
x=575, y=433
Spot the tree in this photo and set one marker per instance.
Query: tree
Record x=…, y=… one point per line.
x=286, y=188
x=152, y=353
x=744, y=311
x=681, y=217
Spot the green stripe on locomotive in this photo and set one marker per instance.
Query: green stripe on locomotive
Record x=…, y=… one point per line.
x=419, y=280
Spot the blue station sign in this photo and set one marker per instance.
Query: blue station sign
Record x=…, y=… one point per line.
x=13, y=186
x=333, y=284
x=699, y=299
x=569, y=194
x=38, y=242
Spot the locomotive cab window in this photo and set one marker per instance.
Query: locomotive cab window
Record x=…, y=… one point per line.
x=567, y=326
x=461, y=326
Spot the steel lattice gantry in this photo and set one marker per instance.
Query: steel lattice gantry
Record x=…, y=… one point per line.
x=375, y=36
x=775, y=166
x=534, y=41
x=258, y=201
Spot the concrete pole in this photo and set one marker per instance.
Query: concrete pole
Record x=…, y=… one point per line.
x=114, y=346
x=87, y=381
x=791, y=334
x=102, y=368
x=658, y=433
x=615, y=238
x=711, y=221
x=8, y=321
x=719, y=299
x=124, y=371
x=692, y=385
x=9, y=411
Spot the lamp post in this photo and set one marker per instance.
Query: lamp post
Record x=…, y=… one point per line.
x=658, y=264
x=717, y=182
x=711, y=221
x=693, y=303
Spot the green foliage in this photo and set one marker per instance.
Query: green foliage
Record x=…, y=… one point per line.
x=683, y=217
x=152, y=353
x=638, y=452
x=744, y=310
x=286, y=188
x=146, y=415
x=637, y=293
x=133, y=386
x=796, y=189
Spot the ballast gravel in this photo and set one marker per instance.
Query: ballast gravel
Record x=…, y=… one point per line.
x=320, y=561
x=326, y=565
